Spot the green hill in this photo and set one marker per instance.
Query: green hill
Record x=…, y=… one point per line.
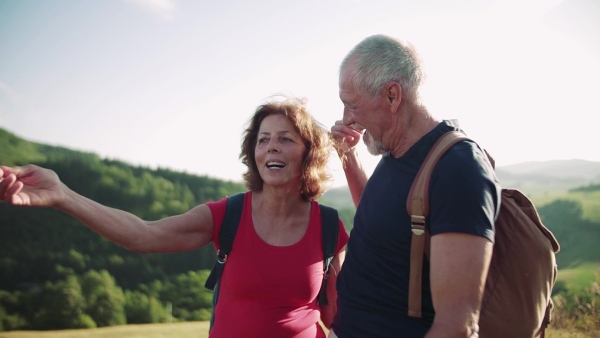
x=567, y=195
x=33, y=242
x=55, y=273
x=547, y=177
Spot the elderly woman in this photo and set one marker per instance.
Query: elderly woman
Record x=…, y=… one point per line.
x=271, y=283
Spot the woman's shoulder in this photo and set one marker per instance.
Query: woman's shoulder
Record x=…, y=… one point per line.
x=219, y=209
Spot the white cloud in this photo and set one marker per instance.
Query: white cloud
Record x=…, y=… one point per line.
x=163, y=9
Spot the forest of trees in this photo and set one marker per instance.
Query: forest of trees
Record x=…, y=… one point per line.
x=57, y=274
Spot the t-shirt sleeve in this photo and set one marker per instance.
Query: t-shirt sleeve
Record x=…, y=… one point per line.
x=465, y=194
x=217, y=209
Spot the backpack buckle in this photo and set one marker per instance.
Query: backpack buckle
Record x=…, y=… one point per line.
x=221, y=259
x=417, y=224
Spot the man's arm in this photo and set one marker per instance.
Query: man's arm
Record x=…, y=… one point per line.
x=459, y=266
x=355, y=175
x=346, y=139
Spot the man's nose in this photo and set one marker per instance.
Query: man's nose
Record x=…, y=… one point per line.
x=347, y=119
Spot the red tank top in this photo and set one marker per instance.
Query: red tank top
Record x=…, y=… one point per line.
x=270, y=291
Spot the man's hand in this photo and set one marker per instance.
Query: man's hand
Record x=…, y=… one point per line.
x=345, y=137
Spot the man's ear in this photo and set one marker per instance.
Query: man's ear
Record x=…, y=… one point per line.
x=393, y=95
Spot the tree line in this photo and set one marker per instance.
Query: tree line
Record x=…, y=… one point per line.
x=57, y=274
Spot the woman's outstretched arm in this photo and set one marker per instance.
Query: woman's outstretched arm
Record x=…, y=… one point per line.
x=33, y=186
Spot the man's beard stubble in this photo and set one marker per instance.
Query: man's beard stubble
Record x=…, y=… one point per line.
x=375, y=147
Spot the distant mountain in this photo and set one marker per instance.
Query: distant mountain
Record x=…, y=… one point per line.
x=549, y=176
x=529, y=177
x=580, y=169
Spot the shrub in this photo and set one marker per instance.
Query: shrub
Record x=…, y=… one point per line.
x=578, y=310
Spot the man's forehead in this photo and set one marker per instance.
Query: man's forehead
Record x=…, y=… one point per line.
x=346, y=74
x=347, y=90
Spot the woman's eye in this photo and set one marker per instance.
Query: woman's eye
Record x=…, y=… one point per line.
x=262, y=140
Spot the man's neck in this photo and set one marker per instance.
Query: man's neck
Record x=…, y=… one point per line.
x=416, y=123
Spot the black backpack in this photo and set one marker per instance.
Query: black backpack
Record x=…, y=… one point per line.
x=233, y=214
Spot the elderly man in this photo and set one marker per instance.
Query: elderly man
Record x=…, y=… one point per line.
x=379, y=87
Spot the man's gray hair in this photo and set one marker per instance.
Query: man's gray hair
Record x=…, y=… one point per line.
x=380, y=59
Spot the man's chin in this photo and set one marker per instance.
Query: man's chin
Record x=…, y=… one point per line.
x=373, y=147
x=375, y=151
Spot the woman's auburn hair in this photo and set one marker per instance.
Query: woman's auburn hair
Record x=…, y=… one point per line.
x=318, y=142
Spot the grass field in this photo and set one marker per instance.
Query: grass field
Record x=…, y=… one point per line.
x=580, y=277
x=590, y=202
x=171, y=330
x=185, y=330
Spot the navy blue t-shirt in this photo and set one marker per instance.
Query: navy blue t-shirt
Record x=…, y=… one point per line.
x=373, y=283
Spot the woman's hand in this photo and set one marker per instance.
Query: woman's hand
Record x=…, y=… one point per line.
x=31, y=186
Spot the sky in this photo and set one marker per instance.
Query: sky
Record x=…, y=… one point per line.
x=172, y=83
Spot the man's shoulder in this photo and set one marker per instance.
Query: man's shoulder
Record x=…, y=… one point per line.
x=464, y=159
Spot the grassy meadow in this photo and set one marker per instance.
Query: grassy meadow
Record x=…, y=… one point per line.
x=170, y=330
x=579, y=277
x=590, y=201
x=187, y=330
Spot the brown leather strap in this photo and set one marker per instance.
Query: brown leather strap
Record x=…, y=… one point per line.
x=417, y=205
x=414, y=284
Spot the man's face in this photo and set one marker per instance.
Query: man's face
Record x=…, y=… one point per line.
x=361, y=112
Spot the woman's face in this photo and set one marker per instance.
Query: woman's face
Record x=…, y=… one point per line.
x=279, y=151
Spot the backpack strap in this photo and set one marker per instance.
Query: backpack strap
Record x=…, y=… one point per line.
x=417, y=205
x=233, y=214
x=329, y=229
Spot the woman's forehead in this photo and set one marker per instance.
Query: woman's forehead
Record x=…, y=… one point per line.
x=276, y=123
